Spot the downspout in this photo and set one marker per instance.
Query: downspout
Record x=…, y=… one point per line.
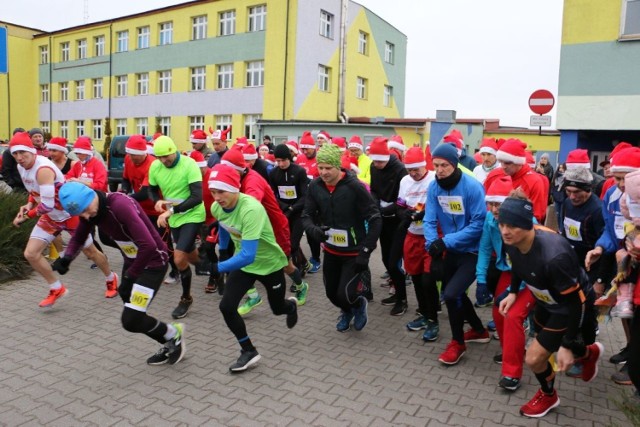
x=110, y=68
x=50, y=85
x=286, y=63
x=342, y=64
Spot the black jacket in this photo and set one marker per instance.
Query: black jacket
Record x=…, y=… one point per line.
x=385, y=184
x=293, y=176
x=10, y=173
x=348, y=207
x=261, y=167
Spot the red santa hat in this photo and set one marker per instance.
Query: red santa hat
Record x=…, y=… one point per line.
x=306, y=141
x=270, y=158
x=356, y=142
x=396, y=142
x=218, y=134
x=492, y=176
x=198, y=136
x=578, y=159
x=478, y=157
x=199, y=158
x=499, y=189
x=428, y=157
x=619, y=147
x=57, y=143
x=379, y=151
x=512, y=150
x=626, y=160
x=293, y=146
x=241, y=141
x=414, y=158
x=455, y=138
x=488, y=145
x=156, y=136
x=83, y=146
x=249, y=152
x=224, y=178
x=21, y=141
x=322, y=135
x=340, y=142
x=350, y=163
x=531, y=161
x=136, y=144
x=234, y=159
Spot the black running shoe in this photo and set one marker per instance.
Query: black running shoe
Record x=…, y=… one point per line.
x=160, y=358
x=176, y=345
x=246, y=359
x=183, y=308
x=399, y=308
x=292, y=318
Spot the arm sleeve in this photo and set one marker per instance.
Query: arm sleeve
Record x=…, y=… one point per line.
x=575, y=305
x=605, y=241
x=194, y=199
x=246, y=256
x=142, y=194
x=126, y=186
x=99, y=176
x=47, y=199
x=223, y=238
x=301, y=189
x=484, y=252
x=430, y=221
x=154, y=193
x=471, y=232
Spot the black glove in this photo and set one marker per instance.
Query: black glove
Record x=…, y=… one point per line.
x=318, y=233
x=418, y=216
x=437, y=248
x=224, y=255
x=362, y=261
x=61, y=265
x=407, y=217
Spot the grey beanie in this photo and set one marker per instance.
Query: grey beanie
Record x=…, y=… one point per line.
x=578, y=177
x=35, y=131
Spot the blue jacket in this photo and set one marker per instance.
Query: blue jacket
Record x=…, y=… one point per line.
x=610, y=210
x=490, y=242
x=461, y=231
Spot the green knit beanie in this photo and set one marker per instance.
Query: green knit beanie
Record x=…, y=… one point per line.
x=329, y=154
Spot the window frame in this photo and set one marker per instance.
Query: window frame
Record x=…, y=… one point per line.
x=164, y=81
x=143, y=40
x=361, y=88
x=142, y=125
x=387, y=96
x=165, y=125
x=98, y=86
x=44, y=125
x=227, y=24
x=97, y=129
x=65, y=52
x=199, y=29
x=163, y=39
x=80, y=90
x=64, y=91
x=121, y=127
x=44, y=93
x=389, y=52
x=44, y=54
x=363, y=43
x=251, y=125
x=197, y=79
x=196, y=122
x=225, y=76
x=79, y=128
x=122, y=86
x=64, y=128
x=98, y=45
x=324, y=78
x=81, y=49
x=251, y=73
x=142, y=84
x=326, y=24
x=122, y=38
x=257, y=18
x=223, y=122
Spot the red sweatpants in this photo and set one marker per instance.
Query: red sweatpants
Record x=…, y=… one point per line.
x=510, y=327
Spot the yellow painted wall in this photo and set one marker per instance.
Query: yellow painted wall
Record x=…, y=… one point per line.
x=321, y=105
x=590, y=21
x=534, y=142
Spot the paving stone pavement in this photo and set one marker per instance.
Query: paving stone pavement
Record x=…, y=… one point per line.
x=74, y=365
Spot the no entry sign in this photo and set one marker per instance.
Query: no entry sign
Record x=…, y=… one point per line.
x=541, y=101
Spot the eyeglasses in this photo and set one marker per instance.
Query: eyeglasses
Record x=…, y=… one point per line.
x=494, y=204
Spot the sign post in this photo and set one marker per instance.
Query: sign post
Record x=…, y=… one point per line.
x=541, y=102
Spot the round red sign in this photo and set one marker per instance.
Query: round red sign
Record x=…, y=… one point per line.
x=541, y=101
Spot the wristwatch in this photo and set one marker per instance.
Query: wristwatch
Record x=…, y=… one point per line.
x=171, y=210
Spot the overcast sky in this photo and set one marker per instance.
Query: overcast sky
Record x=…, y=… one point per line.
x=482, y=58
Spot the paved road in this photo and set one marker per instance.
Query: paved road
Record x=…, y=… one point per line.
x=75, y=365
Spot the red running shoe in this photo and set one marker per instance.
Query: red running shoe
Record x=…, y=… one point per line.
x=112, y=287
x=590, y=363
x=453, y=353
x=540, y=405
x=472, y=336
x=54, y=295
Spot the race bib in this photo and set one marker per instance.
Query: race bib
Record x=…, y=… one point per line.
x=140, y=298
x=287, y=192
x=451, y=204
x=129, y=249
x=619, y=225
x=572, y=229
x=337, y=238
x=542, y=295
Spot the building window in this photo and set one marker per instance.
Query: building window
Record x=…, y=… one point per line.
x=64, y=91
x=45, y=127
x=225, y=76
x=255, y=73
x=64, y=52
x=44, y=93
x=64, y=128
x=199, y=28
x=143, y=37
x=388, y=96
x=122, y=83
x=257, y=18
x=166, y=33
x=164, y=81
x=326, y=24
x=165, y=125
x=631, y=18
x=98, y=45
x=324, y=74
x=227, y=23
x=82, y=48
x=97, y=88
x=389, y=50
x=44, y=54
x=142, y=84
x=142, y=126
x=251, y=125
x=79, y=128
x=79, y=90
x=97, y=129
x=224, y=122
x=363, y=43
x=198, y=75
x=121, y=127
x=196, y=122
x=361, y=88
x=123, y=41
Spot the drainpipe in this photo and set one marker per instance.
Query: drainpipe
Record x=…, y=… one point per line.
x=342, y=64
x=286, y=64
x=50, y=85
x=110, y=68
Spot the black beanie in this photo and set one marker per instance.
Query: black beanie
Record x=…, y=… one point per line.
x=517, y=213
x=282, y=152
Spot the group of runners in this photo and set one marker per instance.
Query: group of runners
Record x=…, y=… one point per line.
x=442, y=222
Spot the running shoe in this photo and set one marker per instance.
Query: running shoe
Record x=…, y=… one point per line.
x=301, y=293
x=540, y=404
x=112, y=287
x=491, y=326
x=453, y=353
x=172, y=277
x=622, y=376
x=246, y=360
x=497, y=359
x=54, y=295
x=292, y=317
x=484, y=301
x=344, y=321
x=399, y=308
x=431, y=331
x=315, y=265
x=508, y=383
x=360, y=314
x=249, y=304
x=385, y=275
x=480, y=337
x=417, y=324
x=160, y=357
x=590, y=363
x=620, y=357
x=183, y=308
x=575, y=371
x=389, y=300
x=176, y=347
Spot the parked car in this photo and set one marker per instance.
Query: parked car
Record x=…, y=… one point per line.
x=115, y=160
